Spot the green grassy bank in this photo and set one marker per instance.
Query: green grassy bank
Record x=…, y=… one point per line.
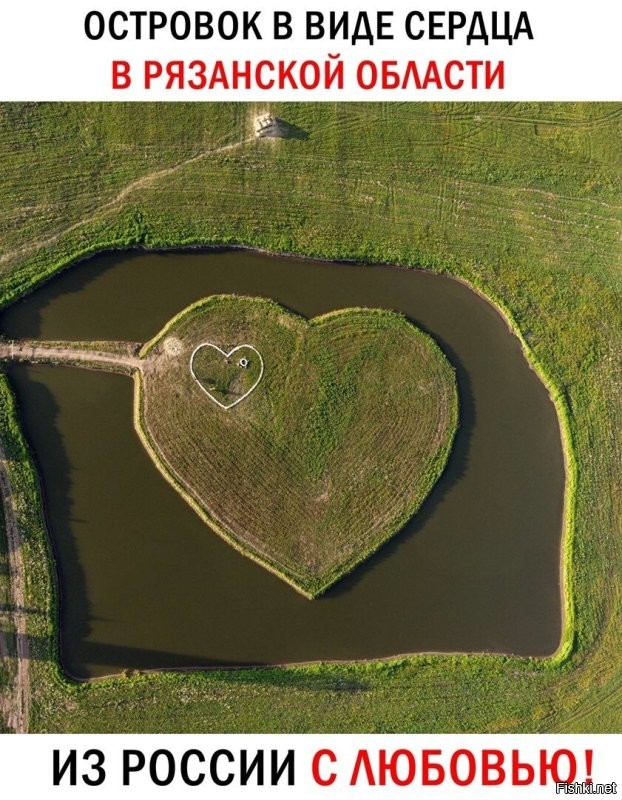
x=522, y=201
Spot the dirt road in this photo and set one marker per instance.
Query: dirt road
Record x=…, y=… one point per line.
x=58, y=353
x=117, y=201
x=16, y=705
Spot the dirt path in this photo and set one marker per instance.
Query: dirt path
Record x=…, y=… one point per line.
x=40, y=351
x=17, y=706
x=139, y=183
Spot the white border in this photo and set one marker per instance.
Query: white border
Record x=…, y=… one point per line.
x=226, y=355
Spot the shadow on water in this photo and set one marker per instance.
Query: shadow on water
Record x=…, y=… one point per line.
x=42, y=413
x=27, y=317
x=126, y=661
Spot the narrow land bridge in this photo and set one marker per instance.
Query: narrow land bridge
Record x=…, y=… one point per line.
x=105, y=355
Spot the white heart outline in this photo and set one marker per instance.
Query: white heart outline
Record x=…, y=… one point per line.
x=226, y=355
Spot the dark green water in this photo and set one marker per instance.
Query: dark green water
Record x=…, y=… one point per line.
x=145, y=584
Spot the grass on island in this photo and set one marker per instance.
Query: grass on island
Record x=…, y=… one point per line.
x=523, y=201
x=227, y=377
x=341, y=440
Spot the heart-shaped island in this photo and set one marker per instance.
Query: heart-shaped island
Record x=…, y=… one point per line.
x=306, y=444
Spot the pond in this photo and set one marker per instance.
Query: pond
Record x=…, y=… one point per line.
x=145, y=584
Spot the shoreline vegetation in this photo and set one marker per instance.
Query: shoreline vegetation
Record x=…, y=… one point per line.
x=126, y=357
x=569, y=330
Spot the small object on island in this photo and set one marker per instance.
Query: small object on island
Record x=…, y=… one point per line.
x=268, y=126
x=243, y=362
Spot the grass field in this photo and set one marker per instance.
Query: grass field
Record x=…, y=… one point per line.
x=286, y=476
x=522, y=201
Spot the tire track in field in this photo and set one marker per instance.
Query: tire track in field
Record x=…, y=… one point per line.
x=608, y=699
x=595, y=122
x=140, y=183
